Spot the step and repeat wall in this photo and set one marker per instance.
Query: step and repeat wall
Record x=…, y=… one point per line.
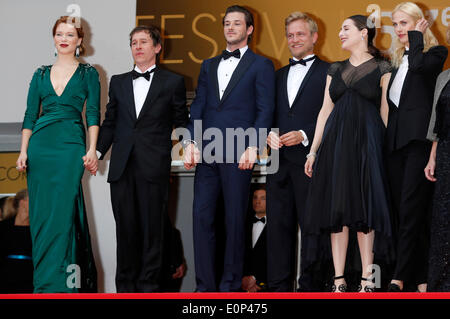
x=192, y=30
x=11, y=180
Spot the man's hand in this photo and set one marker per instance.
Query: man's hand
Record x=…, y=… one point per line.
x=273, y=140
x=191, y=156
x=249, y=284
x=180, y=271
x=291, y=138
x=248, y=158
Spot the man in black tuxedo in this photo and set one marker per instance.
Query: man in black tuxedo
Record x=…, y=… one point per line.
x=255, y=262
x=300, y=90
x=144, y=106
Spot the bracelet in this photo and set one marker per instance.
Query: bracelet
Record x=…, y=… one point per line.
x=311, y=154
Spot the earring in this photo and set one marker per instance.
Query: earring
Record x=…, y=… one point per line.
x=77, y=52
x=362, y=37
x=56, y=52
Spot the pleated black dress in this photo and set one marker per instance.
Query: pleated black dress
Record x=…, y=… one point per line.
x=349, y=184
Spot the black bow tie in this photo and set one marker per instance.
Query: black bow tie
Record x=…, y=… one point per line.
x=302, y=61
x=406, y=52
x=145, y=75
x=256, y=219
x=227, y=54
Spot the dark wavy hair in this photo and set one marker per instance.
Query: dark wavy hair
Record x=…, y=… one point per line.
x=249, y=20
x=361, y=22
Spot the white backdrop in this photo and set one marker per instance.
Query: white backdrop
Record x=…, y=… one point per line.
x=25, y=32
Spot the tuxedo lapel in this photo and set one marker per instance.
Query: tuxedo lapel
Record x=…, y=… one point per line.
x=246, y=60
x=393, y=74
x=283, y=86
x=305, y=80
x=213, y=76
x=155, y=88
x=128, y=88
x=261, y=240
x=404, y=89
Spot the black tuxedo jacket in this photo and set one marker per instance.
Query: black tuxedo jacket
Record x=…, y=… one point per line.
x=409, y=121
x=255, y=260
x=305, y=108
x=149, y=135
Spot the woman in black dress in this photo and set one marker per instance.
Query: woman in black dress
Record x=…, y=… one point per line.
x=438, y=170
x=348, y=187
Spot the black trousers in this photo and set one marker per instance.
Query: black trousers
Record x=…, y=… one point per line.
x=287, y=191
x=411, y=198
x=140, y=209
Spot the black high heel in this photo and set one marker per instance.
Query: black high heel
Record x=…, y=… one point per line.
x=368, y=288
x=341, y=287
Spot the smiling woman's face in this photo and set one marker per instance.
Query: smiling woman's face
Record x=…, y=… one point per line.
x=349, y=34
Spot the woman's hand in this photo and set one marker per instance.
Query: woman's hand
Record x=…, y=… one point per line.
x=309, y=165
x=431, y=166
x=422, y=25
x=429, y=170
x=91, y=162
x=21, y=163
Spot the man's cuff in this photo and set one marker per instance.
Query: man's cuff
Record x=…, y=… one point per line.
x=99, y=154
x=305, y=141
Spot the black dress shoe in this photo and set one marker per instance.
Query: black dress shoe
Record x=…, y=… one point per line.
x=394, y=288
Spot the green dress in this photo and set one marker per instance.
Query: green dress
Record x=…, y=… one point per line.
x=62, y=255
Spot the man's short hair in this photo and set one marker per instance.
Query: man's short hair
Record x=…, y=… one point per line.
x=153, y=31
x=249, y=21
x=294, y=16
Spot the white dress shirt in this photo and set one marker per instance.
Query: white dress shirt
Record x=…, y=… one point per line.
x=140, y=88
x=226, y=68
x=397, y=85
x=295, y=78
x=140, y=91
x=257, y=230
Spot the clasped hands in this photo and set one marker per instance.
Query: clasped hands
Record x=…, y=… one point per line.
x=192, y=157
x=90, y=162
x=289, y=139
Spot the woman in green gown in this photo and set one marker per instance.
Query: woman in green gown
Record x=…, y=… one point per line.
x=53, y=153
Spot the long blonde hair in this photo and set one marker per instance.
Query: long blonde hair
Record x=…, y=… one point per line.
x=429, y=40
